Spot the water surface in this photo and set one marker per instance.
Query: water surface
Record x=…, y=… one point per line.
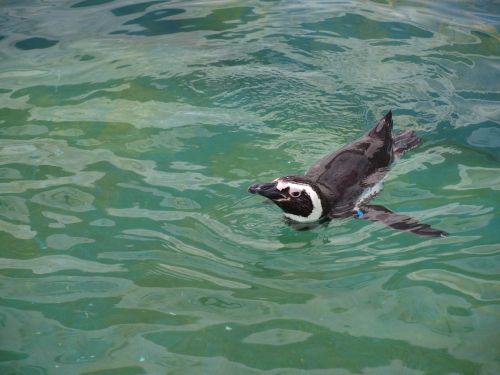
x=129, y=132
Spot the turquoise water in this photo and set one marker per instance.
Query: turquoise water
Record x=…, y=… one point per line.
x=130, y=131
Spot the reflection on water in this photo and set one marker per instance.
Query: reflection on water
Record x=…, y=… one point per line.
x=129, y=132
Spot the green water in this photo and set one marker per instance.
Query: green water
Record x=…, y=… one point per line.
x=130, y=131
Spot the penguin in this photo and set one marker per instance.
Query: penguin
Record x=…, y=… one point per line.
x=340, y=185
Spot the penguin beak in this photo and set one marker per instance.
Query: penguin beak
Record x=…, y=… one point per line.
x=266, y=190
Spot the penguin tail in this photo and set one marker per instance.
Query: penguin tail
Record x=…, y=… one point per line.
x=388, y=116
x=405, y=141
x=383, y=128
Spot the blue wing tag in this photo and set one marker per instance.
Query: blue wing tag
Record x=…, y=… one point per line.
x=359, y=213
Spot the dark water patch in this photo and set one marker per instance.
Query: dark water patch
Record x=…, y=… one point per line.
x=326, y=349
x=86, y=57
x=141, y=89
x=219, y=303
x=103, y=311
x=442, y=282
x=18, y=247
x=167, y=146
x=36, y=43
x=8, y=355
x=98, y=134
x=275, y=295
x=24, y=131
x=16, y=369
x=459, y=311
x=154, y=23
x=452, y=58
x=417, y=60
x=272, y=57
x=361, y=27
x=135, y=8
x=7, y=173
x=480, y=95
x=486, y=135
x=37, y=172
x=86, y=351
x=13, y=116
x=312, y=45
x=175, y=276
x=233, y=34
x=389, y=43
x=72, y=94
x=129, y=370
x=241, y=154
x=485, y=45
x=65, y=198
x=55, y=95
x=226, y=63
x=90, y=3
x=477, y=141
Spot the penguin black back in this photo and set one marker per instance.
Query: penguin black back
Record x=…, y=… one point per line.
x=343, y=174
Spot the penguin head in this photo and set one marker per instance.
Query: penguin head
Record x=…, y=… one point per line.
x=299, y=198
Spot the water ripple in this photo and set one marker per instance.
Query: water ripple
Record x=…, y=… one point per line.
x=66, y=198
x=482, y=290
x=20, y=231
x=191, y=274
x=179, y=245
x=56, y=263
x=61, y=289
x=129, y=244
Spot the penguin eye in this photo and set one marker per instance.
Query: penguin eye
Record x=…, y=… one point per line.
x=295, y=193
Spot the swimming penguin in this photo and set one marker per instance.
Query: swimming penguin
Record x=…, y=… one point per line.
x=341, y=184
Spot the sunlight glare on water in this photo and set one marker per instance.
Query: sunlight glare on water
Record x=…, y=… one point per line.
x=130, y=131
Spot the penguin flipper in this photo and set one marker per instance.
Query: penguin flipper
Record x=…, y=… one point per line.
x=399, y=221
x=405, y=141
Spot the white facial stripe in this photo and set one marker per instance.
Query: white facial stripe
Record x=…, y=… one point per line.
x=281, y=185
x=316, y=202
